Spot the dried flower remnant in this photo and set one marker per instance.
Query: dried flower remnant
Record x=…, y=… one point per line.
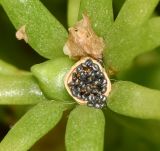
x=88, y=83
x=21, y=34
x=83, y=42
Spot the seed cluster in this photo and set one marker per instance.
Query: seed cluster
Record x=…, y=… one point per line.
x=89, y=84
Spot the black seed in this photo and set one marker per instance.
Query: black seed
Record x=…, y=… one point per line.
x=84, y=65
x=88, y=88
x=74, y=76
x=89, y=80
x=83, y=96
x=95, y=67
x=95, y=91
x=96, y=82
x=103, y=98
x=74, y=93
x=78, y=89
x=79, y=69
x=97, y=74
x=97, y=106
x=88, y=62
x=104, y=85
x=76, y=82
x=104, y=81
x=101, y=75
x=81, y=83
x=103, y=89
x=83, y=75
x=79, y=96
x=91, y=98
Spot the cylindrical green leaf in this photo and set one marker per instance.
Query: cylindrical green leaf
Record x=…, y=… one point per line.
x=100, y=13
x=45, y=34
x=50, y=75
x=131, y=34
x=134, y=13
x=7, y=69
x=138, y=126
x=125, y=46
x=19, y=89
x=32, y=126
x=85, y=129
x=134, y=100
x=73, y=9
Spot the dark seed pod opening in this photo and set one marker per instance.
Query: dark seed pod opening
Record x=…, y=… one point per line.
x=88, y=83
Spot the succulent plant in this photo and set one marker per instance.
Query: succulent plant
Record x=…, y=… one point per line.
x=129, y=121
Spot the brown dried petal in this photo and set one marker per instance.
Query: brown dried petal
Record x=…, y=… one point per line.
x=82, y=41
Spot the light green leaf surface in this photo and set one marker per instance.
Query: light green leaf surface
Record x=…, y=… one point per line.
x=100, y=13
x=138, y=126
x=130, y=33
x=19, y=89
x=45, y=34
x=73, y=9
x=133, y=100
x=32, y=126
x=50, y=76
x=134, y=13
x=8, y=69
x=85, y=129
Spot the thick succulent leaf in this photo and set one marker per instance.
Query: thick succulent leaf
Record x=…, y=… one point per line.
x=19, y=89
x=138, y=126
x=134, y=100
x=85, y=129
x=8, y=69
x=50, y=76
x=45, y=34
x=134, y=13
x=32, y=126
x=100, y=13
x=73, y=9
x=130, y=33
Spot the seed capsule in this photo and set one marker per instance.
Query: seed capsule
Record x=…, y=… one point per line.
x=88, y=83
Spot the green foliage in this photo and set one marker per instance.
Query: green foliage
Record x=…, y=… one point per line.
x=126, y=39
x=133, y=100
x=50, y=75
x=42, y=29
x=32, y=126
x=73, y=9
x=133, y=32
x=100, y=13
x=86, y=127
x=19, y=89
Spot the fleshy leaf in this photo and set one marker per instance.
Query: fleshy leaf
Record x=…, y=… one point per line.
x=73, y=9
x=32, y=126
x=130, y=33
x=44, y=33
x=8, y=69
x=100, y=13
x=19, y=89
x=85, y=129
x=50, y=76
x=133, y=100
x=138, y=126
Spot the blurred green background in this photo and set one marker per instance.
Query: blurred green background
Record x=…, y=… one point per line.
x=122, y=133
